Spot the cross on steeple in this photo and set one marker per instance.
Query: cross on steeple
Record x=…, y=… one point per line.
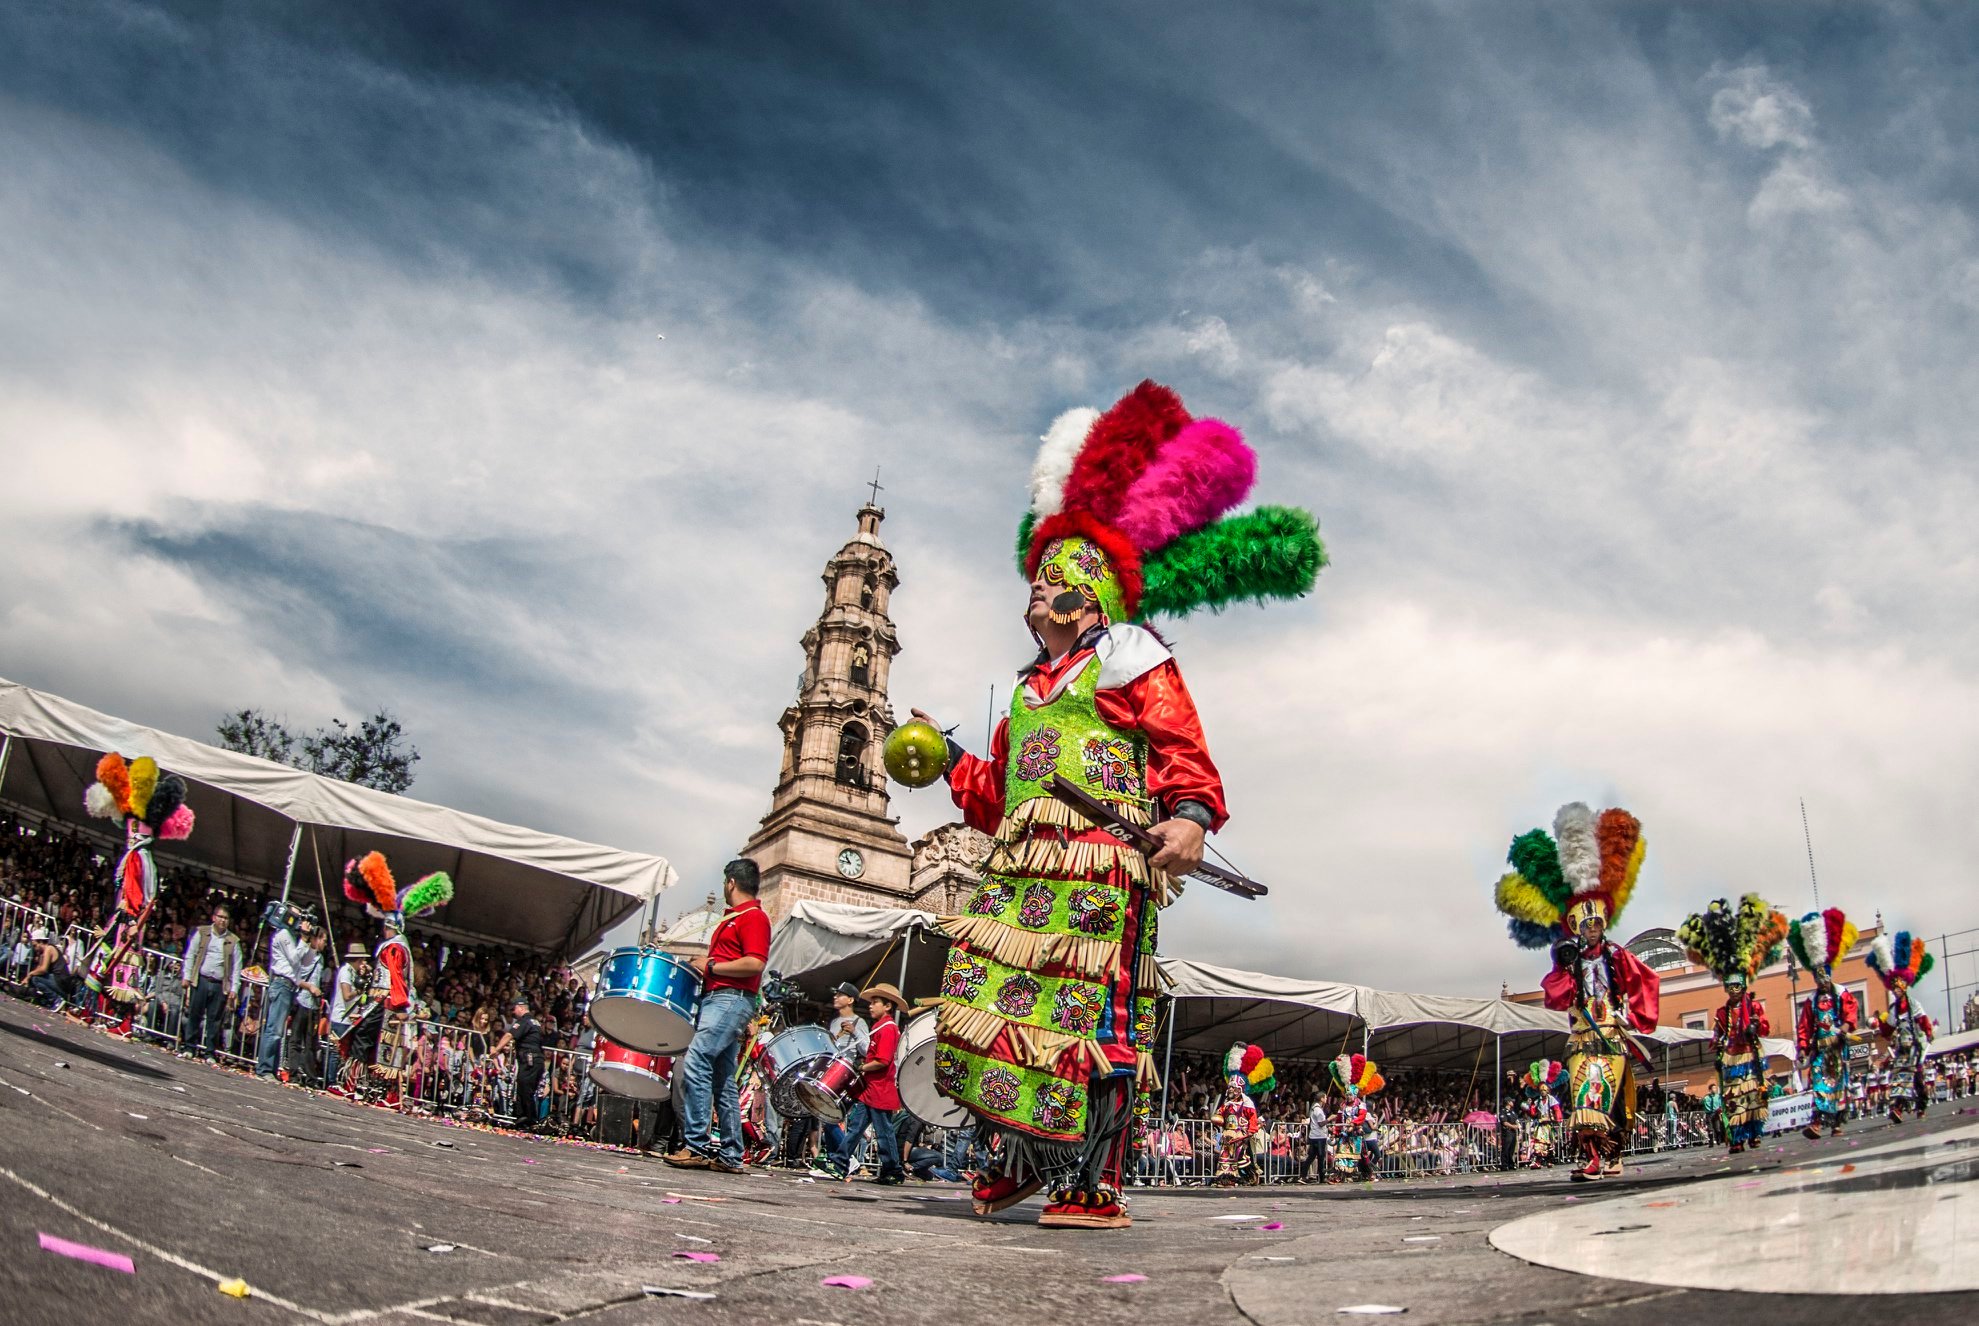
x=876, y=486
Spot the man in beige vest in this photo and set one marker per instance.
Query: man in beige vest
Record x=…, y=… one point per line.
x=209, y=980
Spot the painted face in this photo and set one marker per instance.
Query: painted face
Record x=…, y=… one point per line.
x=1076, y=565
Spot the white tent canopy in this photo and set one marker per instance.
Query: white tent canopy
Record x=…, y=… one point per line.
x=511, y=885
x=1953, y=1041
x=822, y=943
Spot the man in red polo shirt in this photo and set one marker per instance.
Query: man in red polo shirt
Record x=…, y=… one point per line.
x=879, y=1099
x=704, y=1083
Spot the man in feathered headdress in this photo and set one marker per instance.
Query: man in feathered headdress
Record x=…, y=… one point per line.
x=368, y=880
x=152, y=805
x=1356, y=1078
x=1048, y=1012
x=1249, y=1077
x=1906, y=1030
x=1565, y=890
x=1818, y=941
x=1735, y=945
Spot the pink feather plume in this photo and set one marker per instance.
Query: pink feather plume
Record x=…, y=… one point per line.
x=177, y=825
x=1197, y=476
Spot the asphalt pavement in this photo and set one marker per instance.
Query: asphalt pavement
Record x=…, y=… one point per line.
x=339, y=1213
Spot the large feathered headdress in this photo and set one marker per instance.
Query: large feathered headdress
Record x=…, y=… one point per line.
x=1588, y=862
x=1820, y=939
x=1128, y=508
x=1901, y=964
x=368, y=880
x=1356, y=1075
x=1250, y=1063
x=1734, y=941
x=140, y=794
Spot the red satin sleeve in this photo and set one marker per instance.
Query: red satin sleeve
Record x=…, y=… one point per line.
x=976, y=784
x=1561, y=989
x=1761, y=1025
x=1158, y=704
x=1642, y=989
x=399, y=996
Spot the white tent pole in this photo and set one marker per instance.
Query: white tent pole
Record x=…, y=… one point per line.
x=906, y=946
x=1498, y=1076
x=7, y=748
x=1167, y=1060
x=288, y=871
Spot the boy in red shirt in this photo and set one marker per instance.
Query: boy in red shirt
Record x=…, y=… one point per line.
x=879, y=1102
x=704, y=1084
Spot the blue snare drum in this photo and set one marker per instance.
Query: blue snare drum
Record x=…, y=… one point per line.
x=646, y=999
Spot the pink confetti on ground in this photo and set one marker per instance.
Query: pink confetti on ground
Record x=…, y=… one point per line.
x=379, y=1150
x=1128, y=1279
x=1273, y=1225
x=529, y=1160
x=698, y=1256
x=846, y=1282
x=1749, y=1183
x=82, y=1252
x=669, y=1201
x=1570, y=1199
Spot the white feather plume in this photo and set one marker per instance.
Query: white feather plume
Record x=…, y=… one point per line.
x=1882, y=953
x=99, y=802
x=1054, y=463
x=1580, y=852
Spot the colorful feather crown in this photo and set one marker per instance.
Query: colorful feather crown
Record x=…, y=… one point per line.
x=1905, y=962
x=1820, y=939
x=139, y=792
x=1250, y=1063
x=1356, y=1075
x=1150, y=486
x=1731, y=940
x=1586, y=860
x=368, y=881
x=1545, y=1073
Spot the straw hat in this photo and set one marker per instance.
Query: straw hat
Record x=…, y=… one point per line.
x=887, y=992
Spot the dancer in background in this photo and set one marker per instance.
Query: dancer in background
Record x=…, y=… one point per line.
x=1906, y=1029
x=1047, y=1019
x=1565, y=890
x=1818, y=941
x=1734, y=944
x=151, y=804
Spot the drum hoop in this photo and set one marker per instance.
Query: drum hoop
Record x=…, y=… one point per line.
x=613, y=1065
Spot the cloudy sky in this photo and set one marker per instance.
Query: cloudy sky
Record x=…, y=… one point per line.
x=1625, y=353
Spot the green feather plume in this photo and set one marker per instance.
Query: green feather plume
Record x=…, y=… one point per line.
x=1273, y=552
x=1024, y=528
x=1535, y=856
x=1797, y=941
x=436, y=890
x=1924, y=965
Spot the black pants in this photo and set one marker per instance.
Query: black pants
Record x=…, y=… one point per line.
x=204, y=1011
x=528, y=1078
x=1315, y=1157
x=1508, y=1147
x=654, y=1119
x=302, y=1044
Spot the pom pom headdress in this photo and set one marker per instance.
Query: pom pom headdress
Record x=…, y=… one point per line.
x=1130, y=507
x=1902, y=963
x=1734, y=941
x=1356, y=1075
x=1250, y=1063
x=1588, y=863
x=368, y=880
x=1820, y=939
x=145, y=797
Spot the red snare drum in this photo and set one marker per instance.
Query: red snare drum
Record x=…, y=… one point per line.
x=624, y=1071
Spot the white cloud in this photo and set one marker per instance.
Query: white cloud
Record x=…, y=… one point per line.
x=1760, y=110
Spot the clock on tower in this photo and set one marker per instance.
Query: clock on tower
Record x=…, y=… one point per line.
x=851, y=864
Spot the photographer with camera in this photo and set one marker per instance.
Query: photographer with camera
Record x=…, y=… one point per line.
x=293, y=926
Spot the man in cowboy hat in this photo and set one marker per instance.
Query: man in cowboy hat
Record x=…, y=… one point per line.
x=353, y=978
x=879, y=1101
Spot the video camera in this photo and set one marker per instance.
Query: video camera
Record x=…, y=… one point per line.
x=296, y=918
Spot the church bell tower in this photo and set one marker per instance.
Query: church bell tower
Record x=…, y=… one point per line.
x=828, y=834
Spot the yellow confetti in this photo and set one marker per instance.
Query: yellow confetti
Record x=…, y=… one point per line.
x=235, y=1288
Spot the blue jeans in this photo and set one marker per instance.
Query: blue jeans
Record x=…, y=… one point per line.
x=274, y=1025
x=707, y=1075
x=884, y=1142
x=332, y=1062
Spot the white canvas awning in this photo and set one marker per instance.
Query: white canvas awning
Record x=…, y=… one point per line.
x=1953, y=1041
x=822, y=943
x=511, y=885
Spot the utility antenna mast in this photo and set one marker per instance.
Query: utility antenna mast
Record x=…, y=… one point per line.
x=1808, y=838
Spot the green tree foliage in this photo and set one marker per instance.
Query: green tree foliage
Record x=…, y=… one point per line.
x=374, y=753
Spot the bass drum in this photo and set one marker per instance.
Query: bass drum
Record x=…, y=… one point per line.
x=646, y=1000
x=914, y=1065
x=624, y=1071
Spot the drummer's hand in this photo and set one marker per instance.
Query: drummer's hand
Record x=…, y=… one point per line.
x=700, y=966
x=925, y=717
x=1181, y=846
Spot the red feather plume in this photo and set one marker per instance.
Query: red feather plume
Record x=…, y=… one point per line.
x=1120, y=445
x=1832, y=921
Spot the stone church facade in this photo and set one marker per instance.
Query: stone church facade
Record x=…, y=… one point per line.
x=830, y=834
